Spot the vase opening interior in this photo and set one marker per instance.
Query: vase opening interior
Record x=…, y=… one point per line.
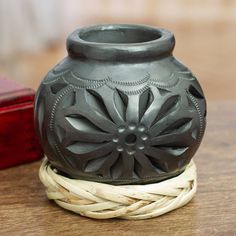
x=120, y=35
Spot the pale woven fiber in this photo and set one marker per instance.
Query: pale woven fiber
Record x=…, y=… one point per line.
x=103, y=201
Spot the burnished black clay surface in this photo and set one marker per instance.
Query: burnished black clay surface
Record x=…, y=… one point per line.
x=120, y=108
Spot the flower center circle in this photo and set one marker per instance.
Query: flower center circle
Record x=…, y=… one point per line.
x=130, y=139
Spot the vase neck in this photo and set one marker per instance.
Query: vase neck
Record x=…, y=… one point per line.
x=120, y=42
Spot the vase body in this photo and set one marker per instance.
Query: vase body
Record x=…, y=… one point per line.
x=120, y=108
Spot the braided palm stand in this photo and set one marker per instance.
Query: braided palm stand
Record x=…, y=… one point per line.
x=103, y=201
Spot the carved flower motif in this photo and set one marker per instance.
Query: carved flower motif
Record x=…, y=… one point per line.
x=113, y=135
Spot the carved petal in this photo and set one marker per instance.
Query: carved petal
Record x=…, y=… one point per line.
x=88, y=151
x=127, y=166
x=98, y=116
x=152, y=111
x=132, y=113
x=114, y=105
x=143, y=166
x=105, y=169
x=164, y=160
x=81, y=129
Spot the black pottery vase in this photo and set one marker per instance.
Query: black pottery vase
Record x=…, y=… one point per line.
x=120, y=109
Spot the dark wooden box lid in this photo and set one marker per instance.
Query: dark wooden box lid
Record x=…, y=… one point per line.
x=12, y=93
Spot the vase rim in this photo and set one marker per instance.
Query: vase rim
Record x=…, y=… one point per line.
x=120, y=42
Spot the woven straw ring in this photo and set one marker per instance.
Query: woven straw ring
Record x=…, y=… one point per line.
x=103, y=201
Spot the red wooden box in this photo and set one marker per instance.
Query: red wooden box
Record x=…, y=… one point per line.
x=18, y=142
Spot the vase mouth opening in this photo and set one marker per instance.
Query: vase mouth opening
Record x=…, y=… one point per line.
x=113, y=35
x=120, y=42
